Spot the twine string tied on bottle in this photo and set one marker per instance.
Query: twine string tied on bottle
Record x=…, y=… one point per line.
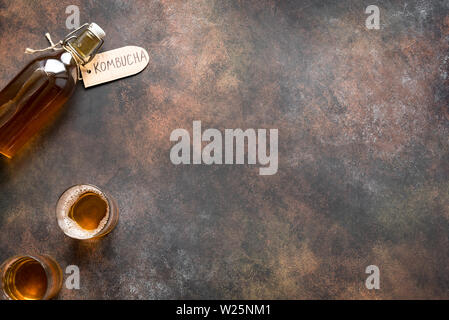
x=53, y=46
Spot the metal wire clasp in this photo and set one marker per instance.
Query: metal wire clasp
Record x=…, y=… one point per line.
x=66, y=43
x=79, y=59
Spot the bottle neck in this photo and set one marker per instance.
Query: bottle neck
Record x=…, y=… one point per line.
x=83, y=47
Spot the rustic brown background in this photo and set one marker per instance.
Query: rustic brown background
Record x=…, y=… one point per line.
x=363, y=125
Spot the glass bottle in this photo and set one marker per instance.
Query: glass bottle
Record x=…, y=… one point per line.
x=32, y=98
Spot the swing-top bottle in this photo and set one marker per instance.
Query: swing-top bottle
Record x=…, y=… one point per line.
x=32, y=98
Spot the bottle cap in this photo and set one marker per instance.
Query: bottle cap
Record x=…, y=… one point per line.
x=85, y=42
x=96, y=30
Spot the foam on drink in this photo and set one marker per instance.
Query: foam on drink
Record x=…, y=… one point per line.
x=82, y=211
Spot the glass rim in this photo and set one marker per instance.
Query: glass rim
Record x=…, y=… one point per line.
x=11, y=262
x=110, y=202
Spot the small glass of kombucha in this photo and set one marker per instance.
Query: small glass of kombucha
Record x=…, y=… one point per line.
x=86, y=212
x=30, y=277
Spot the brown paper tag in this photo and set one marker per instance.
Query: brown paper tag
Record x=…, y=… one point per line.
x=114, y=64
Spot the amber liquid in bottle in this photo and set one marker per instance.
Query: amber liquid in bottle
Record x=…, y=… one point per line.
x=33, y=97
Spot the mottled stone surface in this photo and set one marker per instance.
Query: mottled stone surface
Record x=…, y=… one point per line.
x=363, y=123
